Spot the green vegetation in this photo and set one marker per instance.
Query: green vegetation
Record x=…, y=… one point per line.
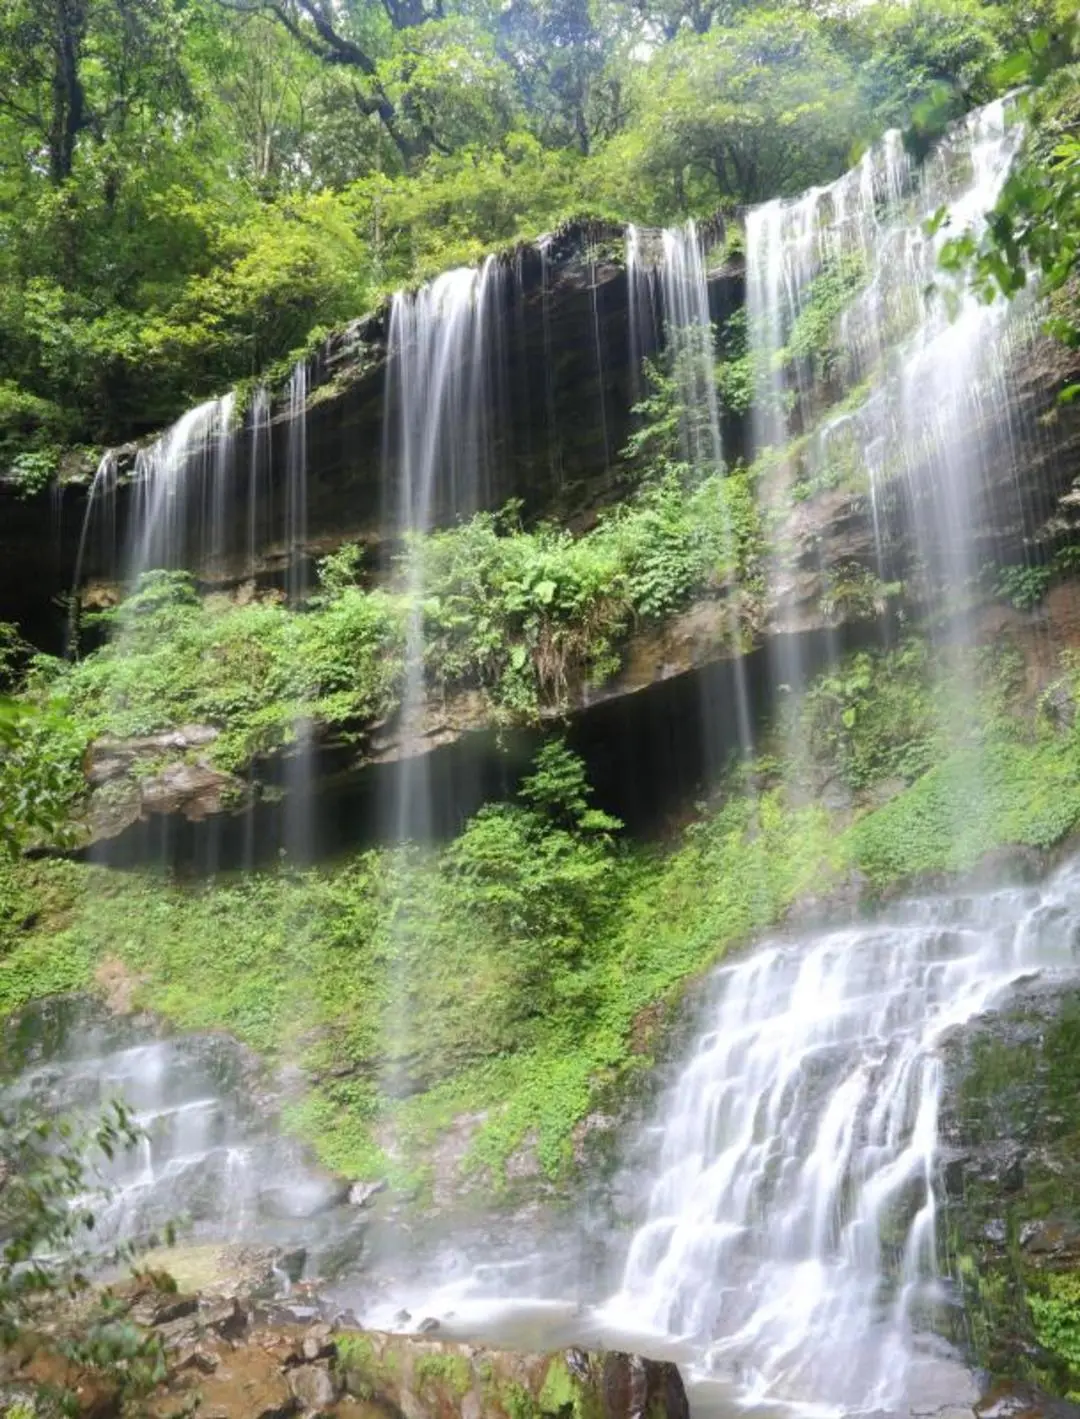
x=1031, y=233
x=47, y=1169
x=1056, y=1314
x=453, y=1372
x=191, y=189
x=519, y=974
x=528, y=616
x=39, y=769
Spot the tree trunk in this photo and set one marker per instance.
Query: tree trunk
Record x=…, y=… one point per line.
x=68, y=116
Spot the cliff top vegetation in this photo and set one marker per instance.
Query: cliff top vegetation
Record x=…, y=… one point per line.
x=192, y=189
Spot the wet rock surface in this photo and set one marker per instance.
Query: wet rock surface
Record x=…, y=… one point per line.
x=1011, y=1173
x=232, y=1359
x=167, y=773
x=250, y=1205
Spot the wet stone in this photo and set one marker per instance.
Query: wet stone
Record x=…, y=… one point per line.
x=318, y=1343
x=314, y=1386
x=227, y=1318
x=160, y=1308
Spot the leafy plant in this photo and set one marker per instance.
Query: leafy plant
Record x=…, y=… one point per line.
x=48, y=1171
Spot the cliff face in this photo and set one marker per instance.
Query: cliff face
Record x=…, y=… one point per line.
x=836, y=552
x=557, y=320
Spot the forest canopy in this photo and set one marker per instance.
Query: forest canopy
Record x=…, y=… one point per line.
x=192, y=189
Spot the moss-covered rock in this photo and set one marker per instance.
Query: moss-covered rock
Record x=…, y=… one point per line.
x=433, y=1379
x=1012, y=1173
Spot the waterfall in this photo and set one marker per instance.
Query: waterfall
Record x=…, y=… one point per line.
x=300, y=827
x=439, y=450
x=210, y=1160
x=642, y=300
x=790, y=1226
x=668, y=295
x=185, y=491
x=178, y=497
x=260, y=476
x=787, y=1238
x=791, y=1222
x=99, y=520
x=923, y=373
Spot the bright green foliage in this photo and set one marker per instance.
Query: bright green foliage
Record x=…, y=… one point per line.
x=734, y=115
x=189, y=190
x=527, y=616
x=974, y=801
x=1032, y=229
x=48, y=1168
x=39, y=773
x=1055, y=1309
x=931, y=60
x=522, y=971
x=531, y=614
x=874, y=716
x=1023, y=586
x=250, y=669
x=813, y=339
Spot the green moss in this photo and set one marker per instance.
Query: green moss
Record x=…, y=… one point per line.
x=975, y=801
x=517, y=1403
x=354, y=1349
x=450, y=1372
x=565, y=1396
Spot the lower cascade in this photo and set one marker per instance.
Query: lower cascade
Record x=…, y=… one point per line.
x=789, y=1249
x=210, y=1161
x=791, y=1224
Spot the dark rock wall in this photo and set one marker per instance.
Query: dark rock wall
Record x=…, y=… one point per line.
x=562, y=391
x=1011, y=1161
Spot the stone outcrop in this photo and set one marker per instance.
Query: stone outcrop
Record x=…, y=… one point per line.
x=164, y=773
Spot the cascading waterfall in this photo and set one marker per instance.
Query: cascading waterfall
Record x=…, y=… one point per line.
x=260, y=476
x=209, y=1160
x=99, y=520
x=191, y=505
x=788, y=1242
x=926, y=377
x=788, y=1232
x=177, y=516
x=186, y=489
x=791, y=1222
x=300, y=762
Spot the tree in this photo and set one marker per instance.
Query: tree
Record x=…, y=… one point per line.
x=76, y=68
x=1034, y=230
x=735, y=116
x=927, y=62
x=344, y=37
x=566, y=58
